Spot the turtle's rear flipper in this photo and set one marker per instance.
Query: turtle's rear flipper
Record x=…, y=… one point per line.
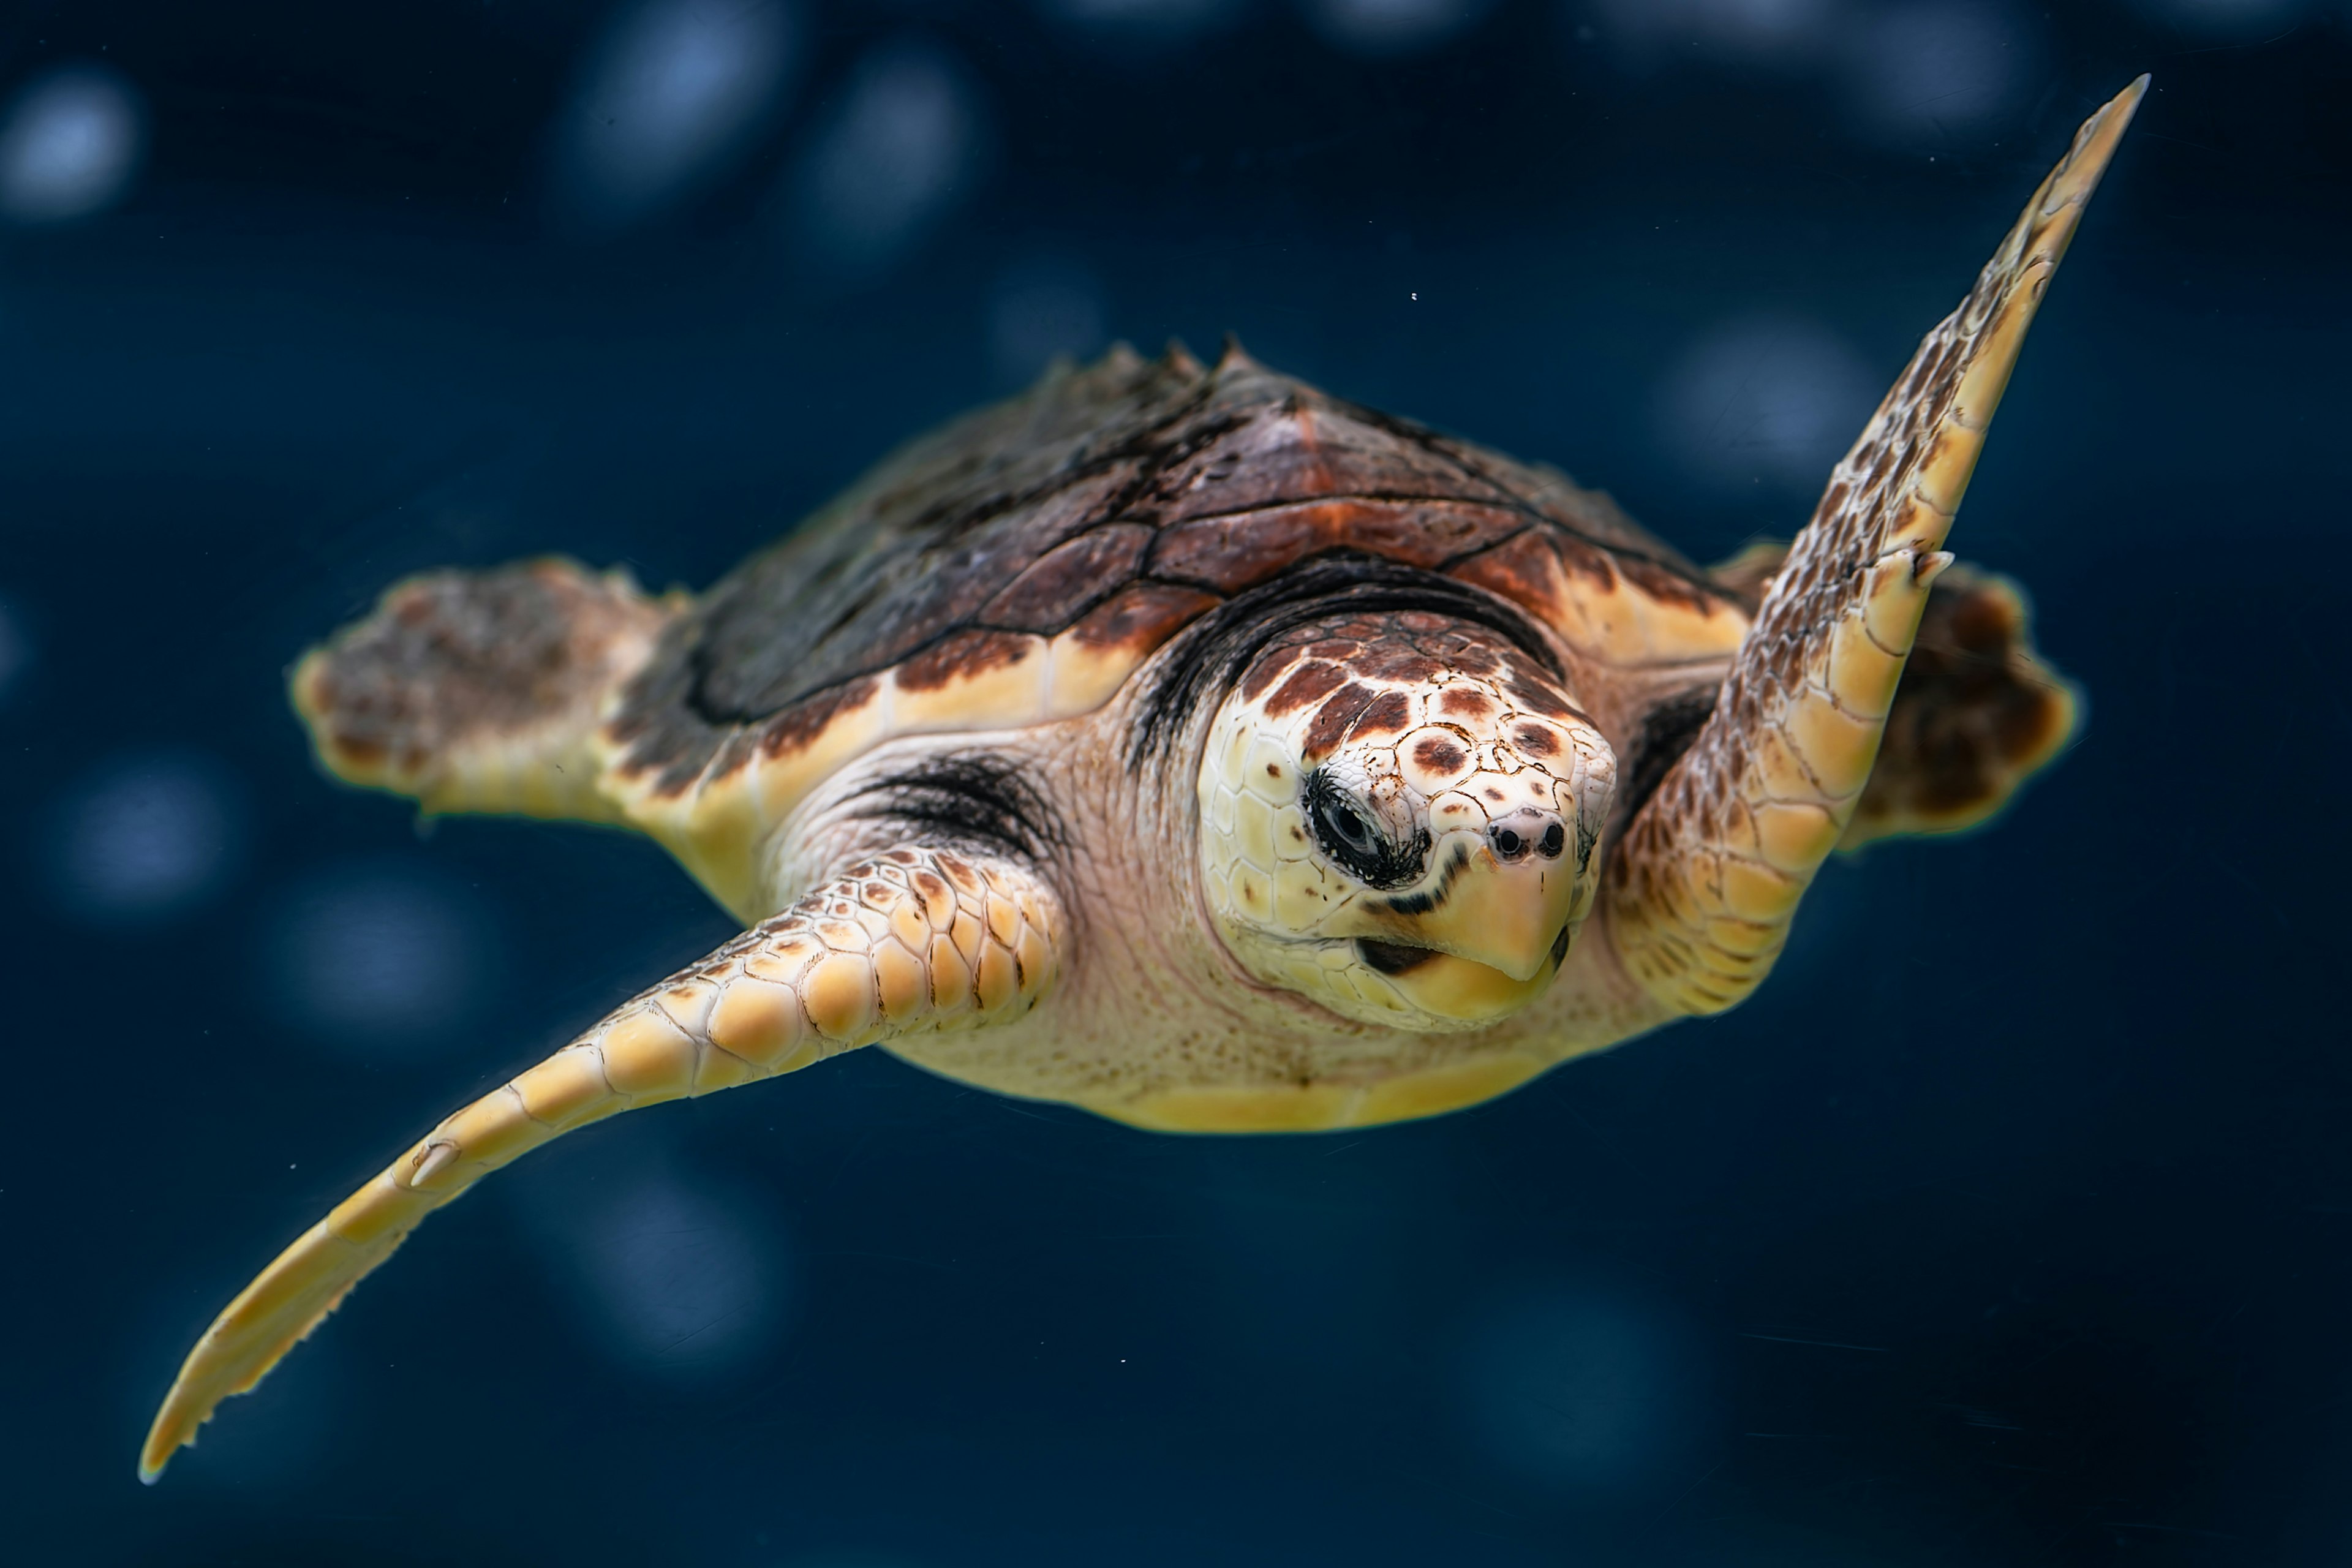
x=1977, y=711
x=1976, y=715
x=480, y=690
x=1702, y=885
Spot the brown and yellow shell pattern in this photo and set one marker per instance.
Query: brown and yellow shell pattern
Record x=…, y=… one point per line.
x=1017, y=566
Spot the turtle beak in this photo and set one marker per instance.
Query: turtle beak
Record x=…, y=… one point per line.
x=1483, y=937
x=1505, y=896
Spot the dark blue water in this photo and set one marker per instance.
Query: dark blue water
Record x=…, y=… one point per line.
x=2011, y=1224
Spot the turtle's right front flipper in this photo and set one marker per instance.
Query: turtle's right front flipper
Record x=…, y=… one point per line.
x=1707, y=875
x=913, y=939
x=481, y=690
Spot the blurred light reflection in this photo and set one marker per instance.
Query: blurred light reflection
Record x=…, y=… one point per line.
x=148, y=837
x=1944, y=68
x=1733, y=32
x=1586, y=1387
x=2226, y=18
x=893, y=157
x=381, y=960
x=1392, y=26
x=1142, y=22
x=674, y=1280
x=16, y=650
x=1041, y=308
x=1766, y=400
x=69, y=144
x=675, y=89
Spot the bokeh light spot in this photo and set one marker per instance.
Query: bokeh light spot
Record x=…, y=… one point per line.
x=1751, y=33
x=148, y=837
x=675, y=1282
x=1770, y=401
x=1140, y=23
x=2226, y=18
x=1391, y=26
x=1585, y=1387
x=16, y=650
x=1943, y=69
x=897, y=151
x=382, y=959
x=69, y=144
x=675, y=89
x=1041, y=308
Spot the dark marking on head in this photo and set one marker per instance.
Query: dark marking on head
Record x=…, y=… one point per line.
x=1309, y=682
x=1428, y=898
x=1405, y=665
x=1334, y=719
x=1440, y=755
x=1536, y=741
x=1391, y=957
x=1465, y=702
x=1195, y=671
x=1386, y=714
x=1537, y=696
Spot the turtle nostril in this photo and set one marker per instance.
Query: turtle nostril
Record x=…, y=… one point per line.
x=1528, y=831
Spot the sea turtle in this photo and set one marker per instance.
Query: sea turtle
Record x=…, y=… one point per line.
x=1180, y=742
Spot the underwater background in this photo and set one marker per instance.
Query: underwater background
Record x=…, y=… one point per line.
x=2012, y=1222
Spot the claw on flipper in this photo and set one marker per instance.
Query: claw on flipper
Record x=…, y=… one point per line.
x=793, y=990
x=1706, y=877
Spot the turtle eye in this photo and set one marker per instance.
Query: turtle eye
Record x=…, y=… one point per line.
x=1348, y=828
x=1350, y=834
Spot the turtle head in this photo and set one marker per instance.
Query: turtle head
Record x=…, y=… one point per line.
x=1398, y=816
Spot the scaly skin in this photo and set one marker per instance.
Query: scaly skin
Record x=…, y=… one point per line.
x=496, y=707
x=1702, y=890
x=1456, y=753
x=911, y=940
x=944, y=955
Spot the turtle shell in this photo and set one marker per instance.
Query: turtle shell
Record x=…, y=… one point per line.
x=1017, y=565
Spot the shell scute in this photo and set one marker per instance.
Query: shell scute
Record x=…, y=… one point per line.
x=1142, y=617
x=1234, y=552
x=1296, y=443
x=1070, y=578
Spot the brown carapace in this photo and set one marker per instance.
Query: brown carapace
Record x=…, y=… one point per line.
x=1182, y=743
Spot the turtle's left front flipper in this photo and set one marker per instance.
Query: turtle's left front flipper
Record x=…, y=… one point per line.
x=915, y=940
x=1701, y=889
